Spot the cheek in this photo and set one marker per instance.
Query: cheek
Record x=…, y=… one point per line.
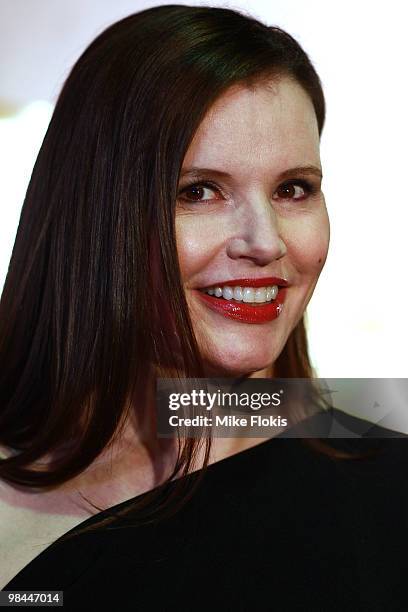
x=308, y=244
x=197, y=242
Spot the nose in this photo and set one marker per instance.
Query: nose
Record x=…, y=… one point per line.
x=255, y=233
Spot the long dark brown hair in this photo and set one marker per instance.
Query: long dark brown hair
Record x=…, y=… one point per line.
x=95, y=249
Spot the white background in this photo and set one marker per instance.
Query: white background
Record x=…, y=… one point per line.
x=357, y=316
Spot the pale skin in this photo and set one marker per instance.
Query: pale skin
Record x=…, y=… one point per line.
x=242, y=225
x=250, y=224
x=247, y=229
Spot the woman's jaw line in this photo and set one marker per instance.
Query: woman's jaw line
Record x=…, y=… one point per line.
x=215, y=371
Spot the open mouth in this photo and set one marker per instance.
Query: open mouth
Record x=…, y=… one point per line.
x=245, y=304
x=251, y=296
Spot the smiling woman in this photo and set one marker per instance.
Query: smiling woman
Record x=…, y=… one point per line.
x=254, y=231
x=175, y=226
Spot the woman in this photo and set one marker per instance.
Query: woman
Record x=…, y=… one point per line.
x=182, y=160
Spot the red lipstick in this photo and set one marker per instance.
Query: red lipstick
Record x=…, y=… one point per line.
x=244, y=312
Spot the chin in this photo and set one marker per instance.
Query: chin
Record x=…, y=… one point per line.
x=235, y=368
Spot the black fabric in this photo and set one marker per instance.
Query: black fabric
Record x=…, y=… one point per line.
x=275, y=527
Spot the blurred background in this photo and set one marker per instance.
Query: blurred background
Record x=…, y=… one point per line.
x=356, y=318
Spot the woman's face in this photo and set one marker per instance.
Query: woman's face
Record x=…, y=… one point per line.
x=246, y=217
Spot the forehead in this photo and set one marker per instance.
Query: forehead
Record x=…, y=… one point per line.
x=246, y=127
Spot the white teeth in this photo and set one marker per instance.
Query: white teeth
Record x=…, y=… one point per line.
x=238, y=294
x=271, y=293
x=227, y=293
x=248, y=294
x=258, y=295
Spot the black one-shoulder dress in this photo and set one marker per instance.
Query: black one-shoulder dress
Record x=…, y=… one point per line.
x=275, y=527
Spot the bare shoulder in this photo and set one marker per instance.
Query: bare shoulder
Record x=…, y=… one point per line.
x=32, y=519
x=29, y=523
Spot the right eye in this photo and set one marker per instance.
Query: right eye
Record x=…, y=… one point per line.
x=195, y=192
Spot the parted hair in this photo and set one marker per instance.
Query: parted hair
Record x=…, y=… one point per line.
x=78, y=329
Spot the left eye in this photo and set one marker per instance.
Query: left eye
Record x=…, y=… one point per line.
x=294, y=191
x=197, y=191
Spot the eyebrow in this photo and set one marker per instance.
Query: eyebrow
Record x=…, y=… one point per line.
x=313, y=170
